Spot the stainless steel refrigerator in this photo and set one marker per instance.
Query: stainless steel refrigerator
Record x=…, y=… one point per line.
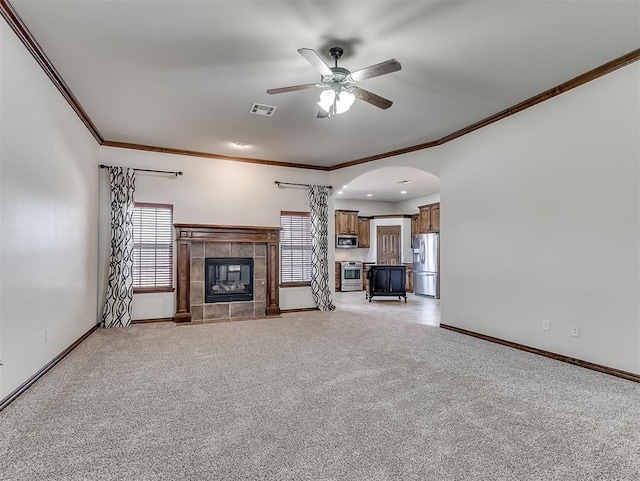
x=425, y=264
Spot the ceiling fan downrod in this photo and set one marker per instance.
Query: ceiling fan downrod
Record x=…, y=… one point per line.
x=335, y=53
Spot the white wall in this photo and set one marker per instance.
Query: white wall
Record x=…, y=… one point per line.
x=429, y=160
x=211, y=192
x=48, y=222
x=366, y=208
x=540, y=219
x=411, y=206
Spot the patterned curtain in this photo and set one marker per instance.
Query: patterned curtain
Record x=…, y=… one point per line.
x=117, y=307
x=318, y=196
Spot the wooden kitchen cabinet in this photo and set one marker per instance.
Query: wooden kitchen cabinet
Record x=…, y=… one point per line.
x=364, y=232
x=409, y=278
x=338, y=268
x=429, y=218
x=424, y=218
x=435, y=218
x=414, y=226
x=346, y=222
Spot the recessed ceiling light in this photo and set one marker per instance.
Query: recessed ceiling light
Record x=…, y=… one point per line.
x=369, y=195
x=339, y=192
x=403, y=191
x=344, y=186
x=238, y=143
x=403, y=182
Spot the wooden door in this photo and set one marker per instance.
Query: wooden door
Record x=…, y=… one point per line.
x=388, y=241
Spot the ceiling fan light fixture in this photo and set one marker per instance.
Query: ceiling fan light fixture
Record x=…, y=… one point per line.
x=345, y=101
x=334, y=103
x=327, y=97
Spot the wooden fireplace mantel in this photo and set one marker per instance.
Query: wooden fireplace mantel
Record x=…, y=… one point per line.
x=188, y=233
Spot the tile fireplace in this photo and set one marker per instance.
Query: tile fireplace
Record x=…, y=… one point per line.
x=245, y=260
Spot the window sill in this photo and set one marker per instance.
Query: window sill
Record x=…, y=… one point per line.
x=152, y=290
x=295, y=284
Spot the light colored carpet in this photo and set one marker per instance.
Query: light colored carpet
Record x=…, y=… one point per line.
x=355, y=394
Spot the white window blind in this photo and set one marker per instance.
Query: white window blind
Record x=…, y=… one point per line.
x=295, y=247
x=152, y=245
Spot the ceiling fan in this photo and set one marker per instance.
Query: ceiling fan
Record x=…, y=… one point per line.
x=340, y=84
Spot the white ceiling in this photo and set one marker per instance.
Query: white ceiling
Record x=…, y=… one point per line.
x=385, y=185
x=183, y=74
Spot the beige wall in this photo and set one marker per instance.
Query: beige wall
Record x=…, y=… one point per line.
x=540, y=219
x=48, y=221
x=211, y=191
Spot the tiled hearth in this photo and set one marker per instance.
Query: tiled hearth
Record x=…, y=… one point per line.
x=196, y=242
x=228, y=310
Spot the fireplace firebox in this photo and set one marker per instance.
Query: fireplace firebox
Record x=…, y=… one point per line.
x=228, y=279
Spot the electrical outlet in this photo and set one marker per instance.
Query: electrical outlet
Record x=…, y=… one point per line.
x=575, y=330
x=47, y=335
x=546, y=326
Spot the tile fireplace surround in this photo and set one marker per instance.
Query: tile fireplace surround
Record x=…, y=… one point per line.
x=195, y=242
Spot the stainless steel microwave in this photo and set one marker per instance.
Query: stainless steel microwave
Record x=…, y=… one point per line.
x=346, y=241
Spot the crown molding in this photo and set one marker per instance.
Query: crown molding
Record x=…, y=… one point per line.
x=586, y=77
x=20, y=29
x=194, y=153
x=23, y=33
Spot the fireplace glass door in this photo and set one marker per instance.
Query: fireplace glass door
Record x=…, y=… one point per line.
x=228, y=279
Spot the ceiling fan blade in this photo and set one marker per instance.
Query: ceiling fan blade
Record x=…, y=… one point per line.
x=293, y=88
x=376, y=70
x=322, y=114
x=314, y=59
x=371, y=98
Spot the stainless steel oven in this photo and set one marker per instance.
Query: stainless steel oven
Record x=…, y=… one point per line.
x=351, y=276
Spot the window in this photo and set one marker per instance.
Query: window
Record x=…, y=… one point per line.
x=152, y=247
x=295, y=249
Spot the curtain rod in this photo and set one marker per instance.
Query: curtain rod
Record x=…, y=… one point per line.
x=278, y=183
x=102, y=166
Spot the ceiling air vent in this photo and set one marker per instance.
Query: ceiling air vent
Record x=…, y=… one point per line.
x=262, y=109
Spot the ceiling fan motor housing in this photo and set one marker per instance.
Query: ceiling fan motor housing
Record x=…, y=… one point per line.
x=336, y=53
x=339, y=75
